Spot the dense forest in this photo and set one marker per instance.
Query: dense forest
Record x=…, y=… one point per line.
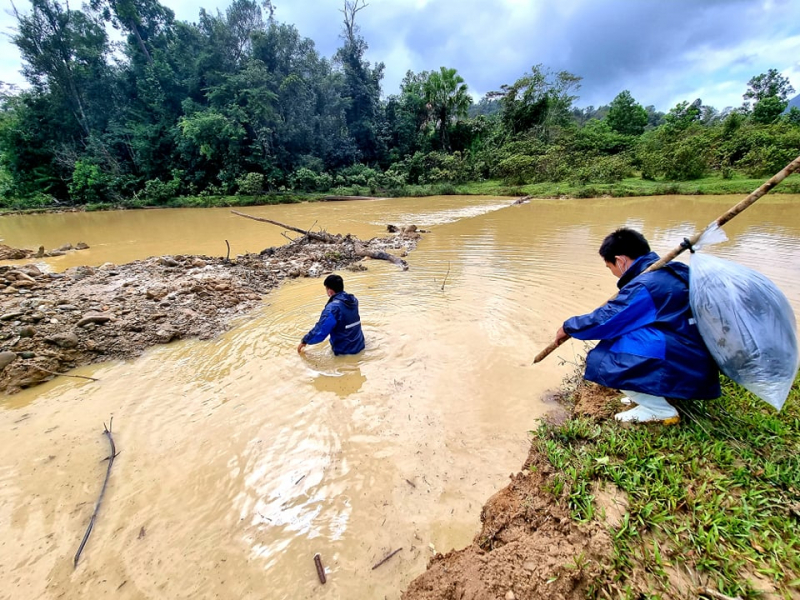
x=240, y=103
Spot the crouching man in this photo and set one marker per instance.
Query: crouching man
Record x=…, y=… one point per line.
x=650, y=347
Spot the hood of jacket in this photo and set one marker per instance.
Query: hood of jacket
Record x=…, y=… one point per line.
x=348, y=300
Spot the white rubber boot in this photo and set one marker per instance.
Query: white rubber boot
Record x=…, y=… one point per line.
x=650, y=409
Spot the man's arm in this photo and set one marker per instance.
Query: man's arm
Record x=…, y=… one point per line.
x=323, y=328
x=631, y=309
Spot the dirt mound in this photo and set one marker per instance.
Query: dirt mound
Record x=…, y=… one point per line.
x=528, y=548
x=50, y=323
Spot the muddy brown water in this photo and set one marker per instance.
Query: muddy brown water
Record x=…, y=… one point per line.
x=240, y=460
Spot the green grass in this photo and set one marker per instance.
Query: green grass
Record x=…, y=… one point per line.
x=633, y=186
x=718, y=494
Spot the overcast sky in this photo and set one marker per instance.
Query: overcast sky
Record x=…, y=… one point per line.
x=663, y=51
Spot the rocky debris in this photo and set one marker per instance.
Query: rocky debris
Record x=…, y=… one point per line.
x=53, y=322
x=9, y=253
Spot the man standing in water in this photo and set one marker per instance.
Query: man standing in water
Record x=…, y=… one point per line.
x=339, y=319
x=650, y=347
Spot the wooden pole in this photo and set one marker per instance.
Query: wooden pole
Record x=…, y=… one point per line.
x=719, y=222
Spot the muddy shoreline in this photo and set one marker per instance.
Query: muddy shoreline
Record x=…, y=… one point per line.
x=53, y=322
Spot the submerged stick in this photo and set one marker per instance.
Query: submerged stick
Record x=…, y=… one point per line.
x=445, y=275
x=387, y=557
x=320, y=569
x=64, y=374
x=719, y=222
x=107, y=433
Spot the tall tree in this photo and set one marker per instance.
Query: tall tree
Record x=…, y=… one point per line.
x=448, y=99
x=769, y=94
x=626, y=116
x=64, y=52
x=538, y=101
x=362, y=84
x=141, y=18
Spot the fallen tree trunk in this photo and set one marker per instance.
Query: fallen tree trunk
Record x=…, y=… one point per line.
x=381, y=255
x=358, y=248
x=320, y=237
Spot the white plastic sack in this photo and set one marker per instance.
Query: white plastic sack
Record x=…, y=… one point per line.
x=745, y=321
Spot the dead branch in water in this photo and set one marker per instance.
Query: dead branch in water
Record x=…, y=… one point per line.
x=320, y=237
x=385, y=559
x=327, y=238
x=446, y=274
x=63, y=374
x=320, y=569
x=107, y=433
x=228, y=255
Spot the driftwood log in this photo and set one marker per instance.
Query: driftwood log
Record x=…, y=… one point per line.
x=326, y=238
x=107, y=433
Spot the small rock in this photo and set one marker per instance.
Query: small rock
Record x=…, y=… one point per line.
x=63, y=340
x=6, y=358
x=510, y=595
x=55, y=253
x=11, y=315
x=168, y=261
x=66, y=307
x=107, y=266
x=26, y=331
x=97, y=318
x=199, y=263
x=81, y=246
x=54, y=321
x=155, y=293
x=65, y=247
x=27, y=354
x=165, y=335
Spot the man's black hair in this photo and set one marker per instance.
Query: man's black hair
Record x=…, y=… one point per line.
x=624, y=242
x=335, y=283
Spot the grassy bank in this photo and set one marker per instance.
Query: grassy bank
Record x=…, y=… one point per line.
x=633, y=186
x=711, y=503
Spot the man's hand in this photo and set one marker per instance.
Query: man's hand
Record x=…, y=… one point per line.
x=561, y=335
x=300, y=347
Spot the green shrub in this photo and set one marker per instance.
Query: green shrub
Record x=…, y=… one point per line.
x=89, y=183
x=303, y=179
x=160, y=192
x=251, y=184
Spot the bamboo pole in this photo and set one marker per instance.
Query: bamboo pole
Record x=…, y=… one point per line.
x=719, y=222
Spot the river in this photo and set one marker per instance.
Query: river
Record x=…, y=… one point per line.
x=240, y=460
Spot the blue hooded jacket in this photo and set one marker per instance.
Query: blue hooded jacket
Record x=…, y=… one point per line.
x=341, y=321
x=649, y=341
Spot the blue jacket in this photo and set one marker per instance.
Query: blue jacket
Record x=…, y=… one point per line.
x=649, y=341
x=341, y=321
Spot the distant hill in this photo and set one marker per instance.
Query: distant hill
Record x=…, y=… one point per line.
x=794, y=102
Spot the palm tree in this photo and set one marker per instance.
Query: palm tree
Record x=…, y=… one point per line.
x=447, y=98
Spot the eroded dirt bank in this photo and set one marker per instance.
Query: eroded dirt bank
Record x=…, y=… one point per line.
x=528, y=548
x=53, y=322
